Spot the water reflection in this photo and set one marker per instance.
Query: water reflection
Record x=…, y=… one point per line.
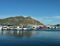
x=41, y=38
x=18, y=33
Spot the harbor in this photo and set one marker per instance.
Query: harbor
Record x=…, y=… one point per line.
x=30, y=27
x=29, y=38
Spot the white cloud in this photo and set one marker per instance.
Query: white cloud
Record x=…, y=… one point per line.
x=56, y=17
x=52, y=17
x=49, y=18
x=46, y=20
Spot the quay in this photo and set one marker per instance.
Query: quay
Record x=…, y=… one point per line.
x=33, y=27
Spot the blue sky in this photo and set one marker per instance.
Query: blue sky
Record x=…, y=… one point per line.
x=45, y=11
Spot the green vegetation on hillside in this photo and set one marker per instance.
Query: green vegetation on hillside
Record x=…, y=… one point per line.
x=19, y=20
x=57, y=25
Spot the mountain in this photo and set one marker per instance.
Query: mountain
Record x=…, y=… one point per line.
x=57, y=25
x=18, y=20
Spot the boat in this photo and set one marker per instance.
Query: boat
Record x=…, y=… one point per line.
x=0, y=27
x=50, y=29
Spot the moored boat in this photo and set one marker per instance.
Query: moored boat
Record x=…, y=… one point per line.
x=0, y=27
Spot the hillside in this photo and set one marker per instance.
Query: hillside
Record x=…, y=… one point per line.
x=18, y=20
x=57, y=25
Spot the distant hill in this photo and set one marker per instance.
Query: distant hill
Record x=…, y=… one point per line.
x=57, y=25
x=18, y=20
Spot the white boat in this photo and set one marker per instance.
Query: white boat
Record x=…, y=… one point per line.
x=4, y=27
x=18, y=28
x=25, y=28
x=0, y=27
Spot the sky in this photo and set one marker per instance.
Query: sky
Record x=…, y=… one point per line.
x=45, y=11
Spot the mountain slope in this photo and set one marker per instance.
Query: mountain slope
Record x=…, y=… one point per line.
x=18, y=20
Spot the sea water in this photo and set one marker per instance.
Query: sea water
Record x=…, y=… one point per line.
x=29, y=38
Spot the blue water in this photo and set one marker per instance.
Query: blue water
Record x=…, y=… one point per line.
x=29, y=38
